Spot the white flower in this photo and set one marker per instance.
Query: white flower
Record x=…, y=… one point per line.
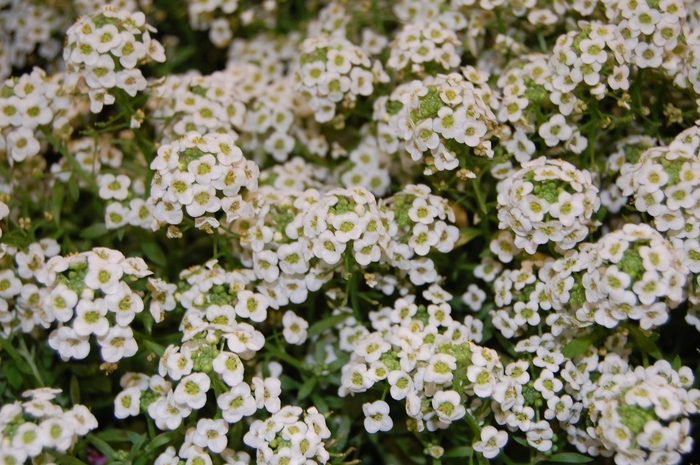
x=131, y=80
x=237, y=403
x=245, y=339
x=492, y=441
x=328, y=248
x=103, y=276
x=127, y=403
x=211, y=434
x=27, y=439
x=124, y=303
x=294, y=328
x=168, y=413
x=230, y=367
x=118, y=343
x=440, y=369
x=90, y=318
x=547, y=384
x=267, y=393
x=555, y=130
x=21, y=144
x=81, y=419
x=192, y=390
x=526, y=313
x=292, y=259
x=347, y=226
x=252, y=305
x=69, y=344
x=448, y=406
x=377, y=417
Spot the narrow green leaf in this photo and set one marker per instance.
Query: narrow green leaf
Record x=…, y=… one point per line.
x=466, y=235
x=94, y=231
x=521, y=441
x=13, y=376
x=327, y=323
x=73, y=189
x=67, y=459
x=113, y=435
x=21, y=364
x=153, y=347
x=306, y=388
x=644, y=342
x=74, y=390
x=138, y=444
x=319, y=403
x=102, y=446
x=133, y=436
x=570, y=457
x=57, y=194
x=160, y=440
x=463, y=451
x=579, y=345
x=283, y=355
x=154, y=253
x=677, y=363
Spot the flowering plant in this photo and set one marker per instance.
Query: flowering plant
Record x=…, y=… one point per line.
x=336, y=232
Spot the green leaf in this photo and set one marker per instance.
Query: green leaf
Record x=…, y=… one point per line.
x=160, y=440
x=136, y=449
x=153, y=347
x=570, y=457
x=13, y=376
x=74, y=390
x=521, y=441
x=319, y=403
x=306, y=388
x=328, y=323
x=73, y=189
x=21, y=364
x=57, y=194
x=133, y=436
x=102, y=446
x=677, y=363
x=580, y=345
x=466, y=235
x=94, y=231
x=463, y=451
x=276, y=352
x=114, y=435
x=644, y=342
x=67, y=459
x=154, y=253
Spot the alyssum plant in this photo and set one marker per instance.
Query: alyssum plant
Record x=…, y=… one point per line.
x=342, y=232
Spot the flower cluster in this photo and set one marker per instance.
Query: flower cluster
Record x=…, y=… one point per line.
x=447, y=116
x=27, y=25
x=192, y=171
x=547, y=201
x=640, y=414
x=630, y=273
x=285, y=437
x=425, y=49
x=87, y=291
x=368, y=166
x=332, y=73
x=664, y=184
x=103, y=52
x=28, y=103
x=309, y=233
x=424, y=357
x=38, y=429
